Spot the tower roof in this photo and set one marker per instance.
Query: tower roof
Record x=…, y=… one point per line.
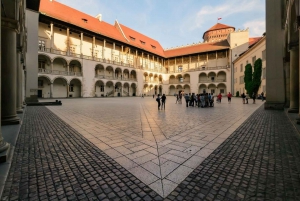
x=218, y=26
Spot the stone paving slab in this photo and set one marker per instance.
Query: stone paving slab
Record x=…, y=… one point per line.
x=174, y=135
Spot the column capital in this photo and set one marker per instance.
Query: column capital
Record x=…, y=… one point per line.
x=10, y=24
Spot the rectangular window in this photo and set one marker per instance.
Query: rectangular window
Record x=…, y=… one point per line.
x=212, y=91
x=253, y=60
x=153, y=46
x=242, y=80
x=222, y=91
x=71, y=88
x=263, y=55
x=102, y=88
x=42, y=45
x=264, y=73
x=40, y=83
x=132, y=38
x=241, y=68
x=143, y=42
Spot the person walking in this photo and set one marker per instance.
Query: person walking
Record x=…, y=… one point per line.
x=158, y=101
x=262, y=96
x=163, y=101
x=219, y=97
x=229, y=95
x=187, y=99
x=253, y=97
x=243, y=97
x=177, y=98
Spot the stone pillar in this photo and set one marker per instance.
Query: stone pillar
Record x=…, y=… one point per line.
x=68, y=90
x=294, y=80
x=19, y=83
x=8, y=72
x=51, y=66
x=51, y=90
x=51, y=36
x=81, y=39
x=274, y=56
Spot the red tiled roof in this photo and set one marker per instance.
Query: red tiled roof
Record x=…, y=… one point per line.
x=217, y=27
x=70, y=15
x=254, y=40
x=203, y=47
x=141, y=41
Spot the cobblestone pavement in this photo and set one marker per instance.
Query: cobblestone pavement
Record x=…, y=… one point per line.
x=260, y=160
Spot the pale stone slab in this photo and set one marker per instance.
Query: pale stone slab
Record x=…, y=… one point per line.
x=145, y=158
x=137, y=154
x=167, y=168
x=194, y=161
x=145, y=176
x=102, y=146
x=178, y=175
x=168, y=186
x=112, y=153
x=212, y=145
x=173, y=158
x=157, y=187
x=153, y=168
x=138, y=148
x=126, y=163
x=123, y=150
x=204, y=152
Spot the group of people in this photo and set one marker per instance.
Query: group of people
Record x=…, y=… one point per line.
x=253, y=96
x=161, y=101
x=199, y=100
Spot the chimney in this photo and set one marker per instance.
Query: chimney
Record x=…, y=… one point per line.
x=99, y=17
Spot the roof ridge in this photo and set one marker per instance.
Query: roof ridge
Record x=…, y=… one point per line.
x=116, y=22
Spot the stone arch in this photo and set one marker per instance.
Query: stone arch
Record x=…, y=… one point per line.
x=44, y=63
x=146, y=77
x=126, y=89
x=60, y=65
x=203, y=77
x=44, y=86
x=202, y=88
x=75, y=87
x=100, y=88
x=118, y=73
x=126, y=75
x=187, y=88
x=99, y=71
x=211, y=76
x=221, y=76
x=60, y=87
x=186, y=78
x=172, y=90
x=133, y=87
x=172, y=79
x=222, y=88
x=109, y=88
x=212, y=88
x=75, y=67
x=109, y=72
x=118, y=89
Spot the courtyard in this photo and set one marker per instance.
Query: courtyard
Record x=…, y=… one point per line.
x=127, y=149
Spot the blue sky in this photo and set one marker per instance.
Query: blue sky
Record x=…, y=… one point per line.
x=177, y=22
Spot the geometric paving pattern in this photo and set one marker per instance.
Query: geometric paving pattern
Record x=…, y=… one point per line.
x=161, y=148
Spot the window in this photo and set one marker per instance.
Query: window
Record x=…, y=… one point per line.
x=181, y=79
x=143, y=42
x=132, y=38
x=241, y=79
x=212, y=91
x=42, y=64
x=153, y=46
x=84, y=20
x=72, y=49
x=212, y=79
x=203, y=67
x=42, y=45
x=71, y=88
x=253, y=60
x=40, y=83
x=102, y=88
x=222, y=91
x=263, y=55
x=241, y=68
x=264, y=73
x=180, y=68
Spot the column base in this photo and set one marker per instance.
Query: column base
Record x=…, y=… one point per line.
x=274, y=105
x=4, y=151
x=293, y=110
x=19, y=111
x=10, y=120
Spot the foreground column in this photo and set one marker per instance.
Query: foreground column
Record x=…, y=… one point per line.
x=8, y=74
x=294, y=81
x=19, y=84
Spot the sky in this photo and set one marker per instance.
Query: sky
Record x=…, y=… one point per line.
x=177, y=22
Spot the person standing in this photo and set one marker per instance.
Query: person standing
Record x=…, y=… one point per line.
x=253, y=97
x=163, y=101
x=158, y=101
x=262, y=96
x=229, y=95
x=243, y=97
x=177, y=98
x=219, y=97
x=187, y=99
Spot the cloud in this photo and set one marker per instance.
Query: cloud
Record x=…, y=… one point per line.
x=256, y=27
x=226, y=9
